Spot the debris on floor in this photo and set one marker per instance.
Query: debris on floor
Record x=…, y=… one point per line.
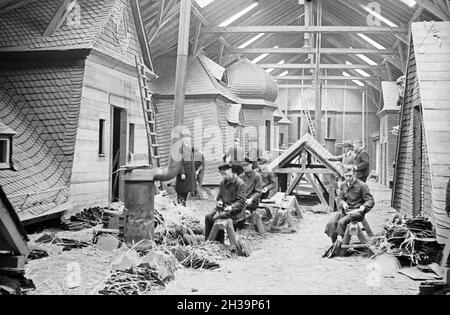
x=412, y=241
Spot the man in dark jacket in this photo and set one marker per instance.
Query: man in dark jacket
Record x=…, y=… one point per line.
x=361, y=163
x=253, y=191
x=230, y=202
x=354, y=201
x=185, y=182
x=269, y=180
x=253, y=185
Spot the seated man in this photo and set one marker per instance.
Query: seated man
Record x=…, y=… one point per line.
x=230, y=200
x=253, y=189
x=269, y=181
x=253, y=185
x=354, y=201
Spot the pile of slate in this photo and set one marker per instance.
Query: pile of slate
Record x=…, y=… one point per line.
x=66, y=243
x=92, y=217
x=412, y=240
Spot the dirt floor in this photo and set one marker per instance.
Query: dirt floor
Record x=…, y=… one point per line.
x=292, y=263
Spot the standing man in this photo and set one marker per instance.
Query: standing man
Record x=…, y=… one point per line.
x=354, y=201
x=230, y=202
x=348, y=154
x=269, y=181
x=235, y=156
x=361, y=163
x=199, y=163
x=185, y=181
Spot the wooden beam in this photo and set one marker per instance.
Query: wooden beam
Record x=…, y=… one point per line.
x=171, y=14
x=196, y=39
x=161, y=11
x=299, y=170
x=294, y=183
x=222, y=47
x=330, y=77
x=434, y=9
x=332, y=51
x=309, y=86
x=322, y=66
x=316, y=74
x=303, y=29
x=59, y=17
x=140, y=31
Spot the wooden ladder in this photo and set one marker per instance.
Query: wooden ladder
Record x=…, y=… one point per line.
x=305, y=111
x=149, y=110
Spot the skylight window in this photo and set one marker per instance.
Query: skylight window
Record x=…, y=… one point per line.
x=410, y=3
x=371, y=41
x=357, y=82
x=262, y=56
x=238, y=15
x=284, y=74
x=367, y=59
x=251, y=40
x=360, y=71
x=378, y=16
x=271, y=69
x=203, y=3
x=259, y=58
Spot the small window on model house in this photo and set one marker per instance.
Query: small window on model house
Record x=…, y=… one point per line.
x=6, y=142
x=101, y=137
x=5, y=145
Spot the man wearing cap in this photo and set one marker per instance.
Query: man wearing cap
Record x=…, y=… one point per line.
x=230, y=202
x=269, y=181
x=347, y=156
x=361, y=163
x=235, y=155
x=253, y=191
x=253, y=185
x=354, y=201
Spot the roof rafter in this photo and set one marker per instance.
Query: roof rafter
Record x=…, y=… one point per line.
x=302, y=29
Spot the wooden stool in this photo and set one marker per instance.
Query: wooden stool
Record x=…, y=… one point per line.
x=367, y=227
x=285, y=215
x=222, y=225
x=254, y=218
x=353, y=229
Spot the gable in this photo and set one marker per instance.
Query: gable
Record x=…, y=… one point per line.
x=118, y=38
x=311, y=145
x=22, y=28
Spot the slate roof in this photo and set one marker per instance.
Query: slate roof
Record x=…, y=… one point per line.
x=198, y=82
x=251, y=83
x=235, y=115
x=22, y=28
x=5, y=130
x=310, y=144
x=41, y=102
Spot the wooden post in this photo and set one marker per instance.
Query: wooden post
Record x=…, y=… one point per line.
x=317, y=84
x=331, y=193
x=182, y=59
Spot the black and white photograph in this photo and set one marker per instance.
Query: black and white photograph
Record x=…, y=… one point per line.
x=220, y=153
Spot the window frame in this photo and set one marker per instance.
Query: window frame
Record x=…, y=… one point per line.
x=101, y=137
x=7, y=163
